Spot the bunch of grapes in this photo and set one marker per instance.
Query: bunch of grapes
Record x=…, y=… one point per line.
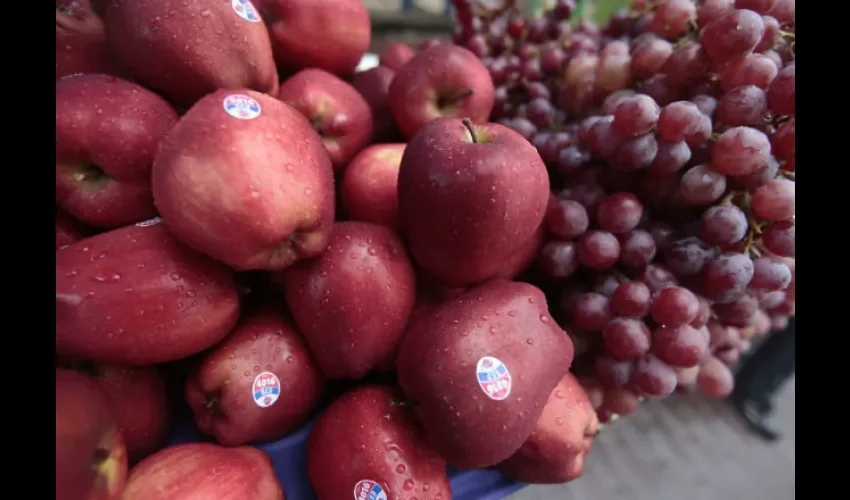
x=669, y=134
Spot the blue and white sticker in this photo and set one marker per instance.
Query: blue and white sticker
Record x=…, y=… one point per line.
x=369, y=490
x=266, y=389
x=246, y=10
x=241, y=106
x=493, y=378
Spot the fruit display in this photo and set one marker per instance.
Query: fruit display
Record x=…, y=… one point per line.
x=278, y=277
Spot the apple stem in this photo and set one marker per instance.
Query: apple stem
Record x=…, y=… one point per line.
x=402, y=404
x=468, y=124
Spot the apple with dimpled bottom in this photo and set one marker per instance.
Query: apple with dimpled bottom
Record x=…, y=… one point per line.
x=196, y=471
x=369, y=190
x=338, y=112
x=470, y=198
x=91, y=460
x=259, y=384
x=487, y=359
x=443, y=81
x=245, y=179
x=372, y=444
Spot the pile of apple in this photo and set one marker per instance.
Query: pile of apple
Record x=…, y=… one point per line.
x=236, y=203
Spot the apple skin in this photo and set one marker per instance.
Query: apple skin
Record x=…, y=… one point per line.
x=374, y=85
x=443, y=81
x=331, y=35
x=136, y=296
x=268, y=180
x=467, y=208
x=555, y=451
x=525, y=257
x=352, y=304
x=339, y=113
x=68, y=230
x=195, y=471
x=366, y=435
x=436, y=366
x=80, y=46
x=185, y=49
x=369, y=190
x=91, y=460
x=396, y=55
x=220, y=394
x=107, y=133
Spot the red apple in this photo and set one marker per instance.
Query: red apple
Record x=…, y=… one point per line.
x=396, y=55
x=470, y=198
x=443, y=81
x=196, y=471
x=259, y=384
x=337, y=111
x=136, y=296
x=555, y=451
x=80, y=44
x=524, y=257
x=107, y=132
x=331, y=35
x=245, y=179
x=352, y=303
x=374, y=85
x=185, y=49
x=91, y=461
x=67, y=230
x=369, y=190
x=375, y=448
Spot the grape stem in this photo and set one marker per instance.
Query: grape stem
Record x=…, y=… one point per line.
x=788, y=175
x=788, y=35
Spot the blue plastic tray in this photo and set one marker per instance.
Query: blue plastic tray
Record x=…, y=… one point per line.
x=288, y=457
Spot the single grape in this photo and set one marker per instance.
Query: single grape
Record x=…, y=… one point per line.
x=589, y=195
x=598, y=249
x=614, y=71
x=613, y=372
x=705, y=103
x=687, y=65
x=770, y=274
x=654, y=377
x=740, y=151
x=752, y=69
x=635, y=116
x=619, y=213
x=732, y=35
x=631, y=299
x=567, y=220
x=703, y=315
x=783, y=141
x=775, y=200
x=779, y=238
x=591, y=312
x=683, y=121
x=558, y=259
x=726, y=278
x=538, y=30
x=636, y=153
x=637, y=248
x=660, y=89
x=688, y=256
x=723, y=225
x=571, y=159
x=739, y=312
x=537, y=90
x=605, y=283
x=764, y=175
x=670, y=158
x=621, y=401
x=784, y=11
x=516, y=27
x=710, y=10
x=702, y=185
x=780, y=94
x=523, y=127
x=672, y=18
x=626, y=338
x=540, y=112
x=531, y=70
x=745, y=105
x=674, y=306
x=609, y=105
x=687, y=376
x=649, y=57
x=602, y=141
x=715, y=379
x=657, y=276
x=563, y=9
x=682, y=346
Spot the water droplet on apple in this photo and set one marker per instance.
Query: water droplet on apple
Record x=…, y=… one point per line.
x=233, y=366
x=408, y=484
x=559, y=421
x=175, y=277
x=529, y=341
x=290, y=359
x=401, y=468
x=247, y=373
x=257, y=368
x=544, y=318
x=492, y=329
x=559, y=394
x=72, y=272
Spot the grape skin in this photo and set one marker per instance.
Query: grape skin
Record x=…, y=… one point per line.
x=740, y=151
x=775, y=200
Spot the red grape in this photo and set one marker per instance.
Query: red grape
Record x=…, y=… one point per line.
x=657, y=276
x=621, y=401
x=674, y=306
x=649, y=57
x=636, y=115
x=654, y=377
x=672, y=18
x=687, y=65
x=745, y=105
x=778, y=237
x=770, y=274
x=740, y=151
x=780, y=94
x=710, y=10
x=682, y=346
x=637, y=248
x=732, y=35
x=619, y=213
x=775, y=200
x=760, y=6
x=702, y=185
x=660, y=89
x=783, y=141
x=739, y=312
x=626, y=338
x=567, y=219
x=591, y=312
x=670, y=158
x=715, y=379
x=598, y=249
x=723, y=225
x=688, y=256
x=752, y=69
x=683, y=121
x=631, y=299
x=726, y=277
x=635, y=154
x=613, y=372
x=559, y=259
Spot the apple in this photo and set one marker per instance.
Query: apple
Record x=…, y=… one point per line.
x=556, y=449
x=195, y=471
x=80, y=44
x=443, y=81
x=68, y=230
x=185, y=49
x=524, y=257
x=259, y=384
x=339, y=113
x=91, y=460
x=107, y=132
x=245, y=179
x=369, y=189
x=136, y=296
x=374, y=85
x=470, y=198
x=352, y=304
x=375, y=448
x=396, y=55
x=331, y=35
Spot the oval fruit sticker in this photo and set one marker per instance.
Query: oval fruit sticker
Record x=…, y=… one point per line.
x=493, y=378
x=369, y=490
x=266, y=389
x=246, y=10
x=241, y=106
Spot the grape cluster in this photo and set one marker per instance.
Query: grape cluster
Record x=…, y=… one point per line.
x=669, y=134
